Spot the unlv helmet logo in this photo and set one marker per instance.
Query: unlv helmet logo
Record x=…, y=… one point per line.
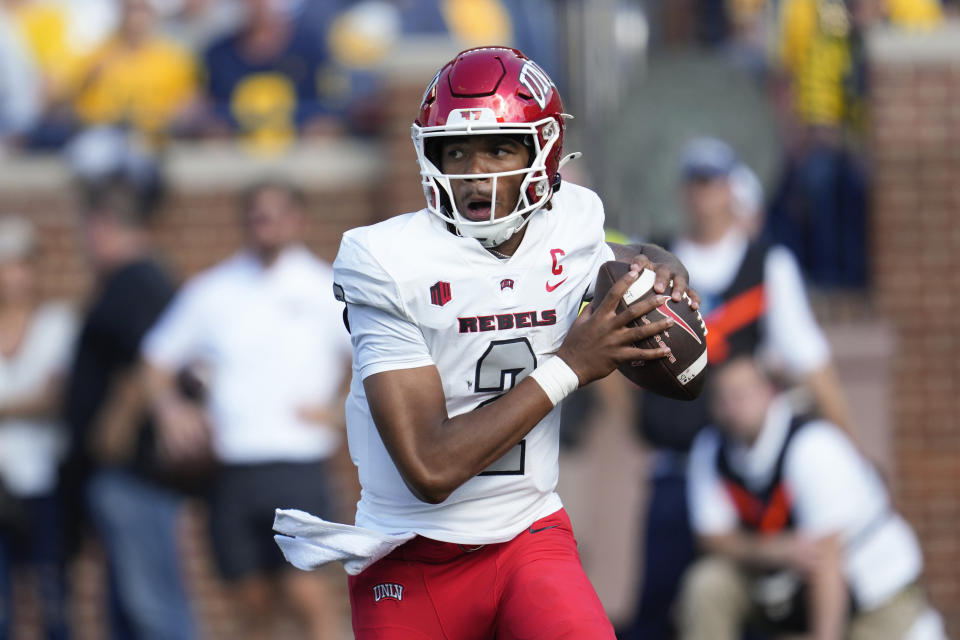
x=536, y=81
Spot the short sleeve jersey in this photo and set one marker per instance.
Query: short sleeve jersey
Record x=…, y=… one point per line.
x=419, y=295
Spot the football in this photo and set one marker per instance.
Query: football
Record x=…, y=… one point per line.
x=680, y=375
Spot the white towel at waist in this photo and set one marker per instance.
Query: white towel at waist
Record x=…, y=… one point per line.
x=308, y=542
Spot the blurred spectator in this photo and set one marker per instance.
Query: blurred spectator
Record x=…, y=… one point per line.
x=752, y=298
x=137, y=78
x=20, y=98
x=264, y=80
x=470, y=23
x=35, y=342
x=356, y=29
x=265, y=325
x=749, y=22
x=914, y=14
x=359, y=40
x=819, y=210
x=747, y=199
x=54, y=42
x=133, y=509
x=361, y=36
x=100, y=154
x=19, y=86
x=798, y=531
x=197, y=23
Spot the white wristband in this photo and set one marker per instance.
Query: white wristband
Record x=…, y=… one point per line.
x=556, y=378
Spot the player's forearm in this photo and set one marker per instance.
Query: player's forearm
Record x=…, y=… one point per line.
x=434, y=453
x=484, y=435
x=828, y=596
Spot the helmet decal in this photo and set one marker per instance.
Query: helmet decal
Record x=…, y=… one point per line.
x=536, y=81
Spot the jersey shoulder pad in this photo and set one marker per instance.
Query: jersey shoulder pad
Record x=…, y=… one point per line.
x=581, y=201
x=367, y=268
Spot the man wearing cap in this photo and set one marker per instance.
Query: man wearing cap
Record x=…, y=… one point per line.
x=753, y=300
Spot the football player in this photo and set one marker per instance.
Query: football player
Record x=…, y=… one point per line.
x=466, y=335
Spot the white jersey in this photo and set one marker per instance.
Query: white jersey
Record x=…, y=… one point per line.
x=419, y=295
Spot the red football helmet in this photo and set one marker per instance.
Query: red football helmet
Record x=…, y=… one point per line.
x=491, y=90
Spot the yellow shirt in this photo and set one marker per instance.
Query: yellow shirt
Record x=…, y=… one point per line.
x=815, y=51
x=45, y=29
x=915, y=14
x=146, y=86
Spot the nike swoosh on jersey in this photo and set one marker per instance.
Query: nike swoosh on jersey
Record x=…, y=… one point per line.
x=551, y=287
x=532, y=530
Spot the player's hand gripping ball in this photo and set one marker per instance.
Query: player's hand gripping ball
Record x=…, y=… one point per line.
x=681, y=374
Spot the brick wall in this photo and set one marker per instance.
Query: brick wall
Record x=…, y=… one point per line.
x=915, y=150
x=198, y=224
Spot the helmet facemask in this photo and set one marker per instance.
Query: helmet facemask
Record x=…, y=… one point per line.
x=535, y=189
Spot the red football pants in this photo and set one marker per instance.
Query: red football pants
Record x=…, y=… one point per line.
x=530, y=588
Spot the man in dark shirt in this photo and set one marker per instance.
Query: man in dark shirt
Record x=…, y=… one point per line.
x=130, y=507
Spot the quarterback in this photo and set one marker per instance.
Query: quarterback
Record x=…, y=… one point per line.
x=466, y=336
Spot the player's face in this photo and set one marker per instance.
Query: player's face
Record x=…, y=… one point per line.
x=710, y=204
x=484, y=154
x=273, y=221
x=741, y=397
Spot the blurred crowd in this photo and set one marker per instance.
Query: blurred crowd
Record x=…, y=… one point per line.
x=111, y=417
x=230, y=390
x=267, y=71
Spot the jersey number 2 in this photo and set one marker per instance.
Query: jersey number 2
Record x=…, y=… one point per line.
x=498, y=369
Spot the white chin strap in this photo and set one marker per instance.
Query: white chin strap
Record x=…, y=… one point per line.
x=496, y=233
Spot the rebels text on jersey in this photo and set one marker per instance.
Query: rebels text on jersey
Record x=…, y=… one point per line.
x=418, y=295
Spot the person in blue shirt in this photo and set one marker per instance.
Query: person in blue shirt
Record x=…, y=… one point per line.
x=265, y=81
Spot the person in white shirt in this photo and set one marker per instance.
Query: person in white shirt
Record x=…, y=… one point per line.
x=796, y=527
x=753, y=298
x=36, y=340
x=270, y=337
